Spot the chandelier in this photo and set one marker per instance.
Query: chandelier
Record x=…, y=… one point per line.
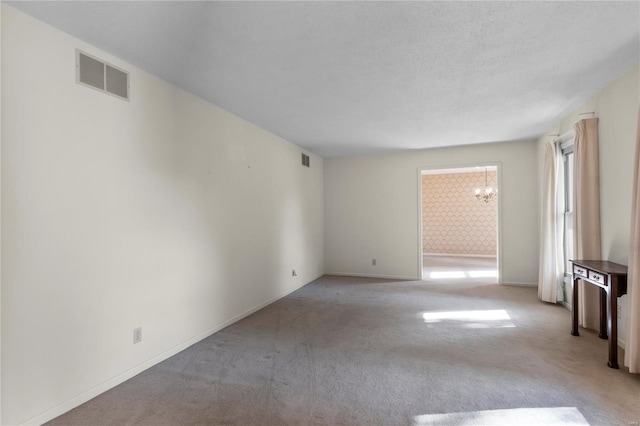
x=488, y=193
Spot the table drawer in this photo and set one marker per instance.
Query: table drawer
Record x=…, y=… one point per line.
x=599, y=278
x=579, y=270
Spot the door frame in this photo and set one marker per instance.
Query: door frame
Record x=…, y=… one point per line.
x=498, y=165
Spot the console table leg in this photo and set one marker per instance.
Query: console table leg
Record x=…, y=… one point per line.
x=612, y=321
x=604, y=326
x=574, y=310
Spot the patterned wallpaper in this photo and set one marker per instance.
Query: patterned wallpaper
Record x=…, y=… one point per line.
x=453, y=220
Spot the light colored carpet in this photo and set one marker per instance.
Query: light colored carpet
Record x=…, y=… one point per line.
x=364, y=351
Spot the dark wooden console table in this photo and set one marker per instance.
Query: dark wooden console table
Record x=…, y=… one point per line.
x=611, y=278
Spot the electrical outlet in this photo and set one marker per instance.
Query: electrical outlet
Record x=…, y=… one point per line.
x=137, y=335
x=293, y=273
x=373, y=262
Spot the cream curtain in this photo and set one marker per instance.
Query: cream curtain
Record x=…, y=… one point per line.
x=632, y=348
x=586, y=216
x=551, y=269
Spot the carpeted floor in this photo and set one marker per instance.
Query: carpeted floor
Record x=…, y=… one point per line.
x=364, y=351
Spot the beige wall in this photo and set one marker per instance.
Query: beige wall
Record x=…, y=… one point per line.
x=371, y=209
x=454, y=221
x=616, y=106
x=165, y=213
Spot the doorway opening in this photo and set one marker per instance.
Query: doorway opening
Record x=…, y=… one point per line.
x=460, y=223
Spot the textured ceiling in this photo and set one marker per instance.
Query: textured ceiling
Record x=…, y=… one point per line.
x=342, y=78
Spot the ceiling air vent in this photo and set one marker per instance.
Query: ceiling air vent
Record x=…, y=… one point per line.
x=97, y=74
x=305, y=160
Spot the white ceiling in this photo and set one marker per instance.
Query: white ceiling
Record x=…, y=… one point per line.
x=343, y=78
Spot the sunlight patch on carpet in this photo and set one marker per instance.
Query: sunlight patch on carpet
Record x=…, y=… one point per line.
x=560, y=416
x=497, y=318
x=484, y=273
x=446, y=274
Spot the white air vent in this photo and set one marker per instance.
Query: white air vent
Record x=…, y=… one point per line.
x=97, y=74
x=305, y=160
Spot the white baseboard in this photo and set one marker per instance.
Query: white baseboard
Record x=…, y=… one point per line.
x=516, y=284
x=493, y=256
x=622, y=343
x=134, y=371
x=385, y=277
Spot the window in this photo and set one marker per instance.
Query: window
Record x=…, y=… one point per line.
x=567, y=159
